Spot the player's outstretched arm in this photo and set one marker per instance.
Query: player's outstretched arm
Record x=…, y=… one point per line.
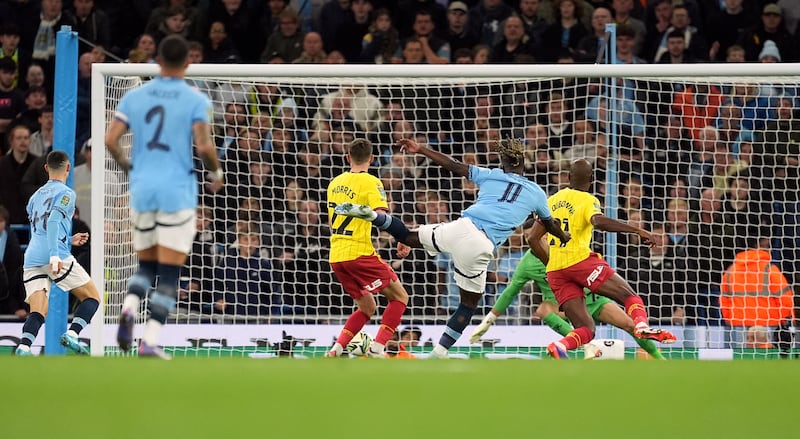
x=454, y=166
x=114, y=133
x=537, y=244
x=606, y=224
x=553, y=227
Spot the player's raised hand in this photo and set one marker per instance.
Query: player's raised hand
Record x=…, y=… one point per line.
x=79, y=239
x=408, y=145
x=403, y=250
x=647, y=238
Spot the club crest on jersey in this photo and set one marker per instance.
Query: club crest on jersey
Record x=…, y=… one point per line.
x=65, y=201
x=382, y=193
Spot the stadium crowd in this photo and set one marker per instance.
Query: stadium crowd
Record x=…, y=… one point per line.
x=708, y=168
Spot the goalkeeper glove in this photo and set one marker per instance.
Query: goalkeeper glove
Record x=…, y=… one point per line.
x=483, y=327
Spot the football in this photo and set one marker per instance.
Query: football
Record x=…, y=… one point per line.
x=359, y=344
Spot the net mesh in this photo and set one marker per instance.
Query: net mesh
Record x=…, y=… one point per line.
x=709, y=164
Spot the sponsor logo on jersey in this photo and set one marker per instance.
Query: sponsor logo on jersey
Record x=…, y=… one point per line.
x=594, y=275
x=65, y=201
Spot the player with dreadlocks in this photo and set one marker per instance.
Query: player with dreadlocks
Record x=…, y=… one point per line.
x=505, y=200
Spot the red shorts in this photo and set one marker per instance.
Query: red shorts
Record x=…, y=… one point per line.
x=365, y=275
x=568, y=283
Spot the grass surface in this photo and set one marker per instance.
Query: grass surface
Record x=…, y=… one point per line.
x=285, y=398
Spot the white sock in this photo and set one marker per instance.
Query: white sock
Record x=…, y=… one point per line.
x=131, y=304
x=642, y=325
x=72, y=333
x=440, y=350
x=152, y=331
x=376, y=347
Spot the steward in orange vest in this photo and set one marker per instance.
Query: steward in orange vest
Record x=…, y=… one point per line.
x=755, y=292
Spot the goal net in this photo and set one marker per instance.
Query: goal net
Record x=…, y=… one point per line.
x=703, y=156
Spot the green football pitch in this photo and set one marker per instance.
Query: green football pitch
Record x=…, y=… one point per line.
x=72, y=397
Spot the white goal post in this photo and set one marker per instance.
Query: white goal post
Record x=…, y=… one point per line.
x=702, y=154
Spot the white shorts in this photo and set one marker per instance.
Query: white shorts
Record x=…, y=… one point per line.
x=38, y=278
x=468, y=246
x=174, y=230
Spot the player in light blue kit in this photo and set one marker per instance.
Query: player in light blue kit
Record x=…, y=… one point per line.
x=163, y=116
x=505, y=200
x=48, y=258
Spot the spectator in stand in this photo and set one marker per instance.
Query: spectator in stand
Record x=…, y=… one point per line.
x=588, y=46
x=485, y=19
x=565, y=33
x=287, y=41
x=459, y=34
x=9, y=48
x=219, y=49
x=623, y=15
x=12, y=292
x=769, y=53
x=191, y=23
x=34, y=76
x=197, y=276
x=676, y=50
x=657, y=23
x=770, y=28
x=754, y=292
x=91, y=24
x=381, y=42
x=35, y=100
x=244, y=281
x=481, y=54
x=406, y=11
x=626, y=39
x=312, y=50
x=146, y=46
x=724, y=30
x=349, y=39
x=12, y=100
x=698, y=106
x=735, y=53
x=40, y=37
x=173, y=23
x=83, y=120
x=434, y=49
x=711, y=250
x=660, y=278
x=748, y=215
x=514, y=42
x=274, y=9
x=335, y=16
x=243, y=23
x=534, y=14
x=694, y=41
x=42, y=139
x=12, y=167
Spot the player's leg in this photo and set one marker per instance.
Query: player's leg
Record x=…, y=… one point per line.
x=575, y=309
x=548, y=312
x=88, y=295
x=472, y=252
x=397, y=296
x=612, y=314
x=174, y=234
x=618, y=289
x=391, y=224
x=529, y=268
x=144, y=242
x=353, y=275
x=37, y=284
